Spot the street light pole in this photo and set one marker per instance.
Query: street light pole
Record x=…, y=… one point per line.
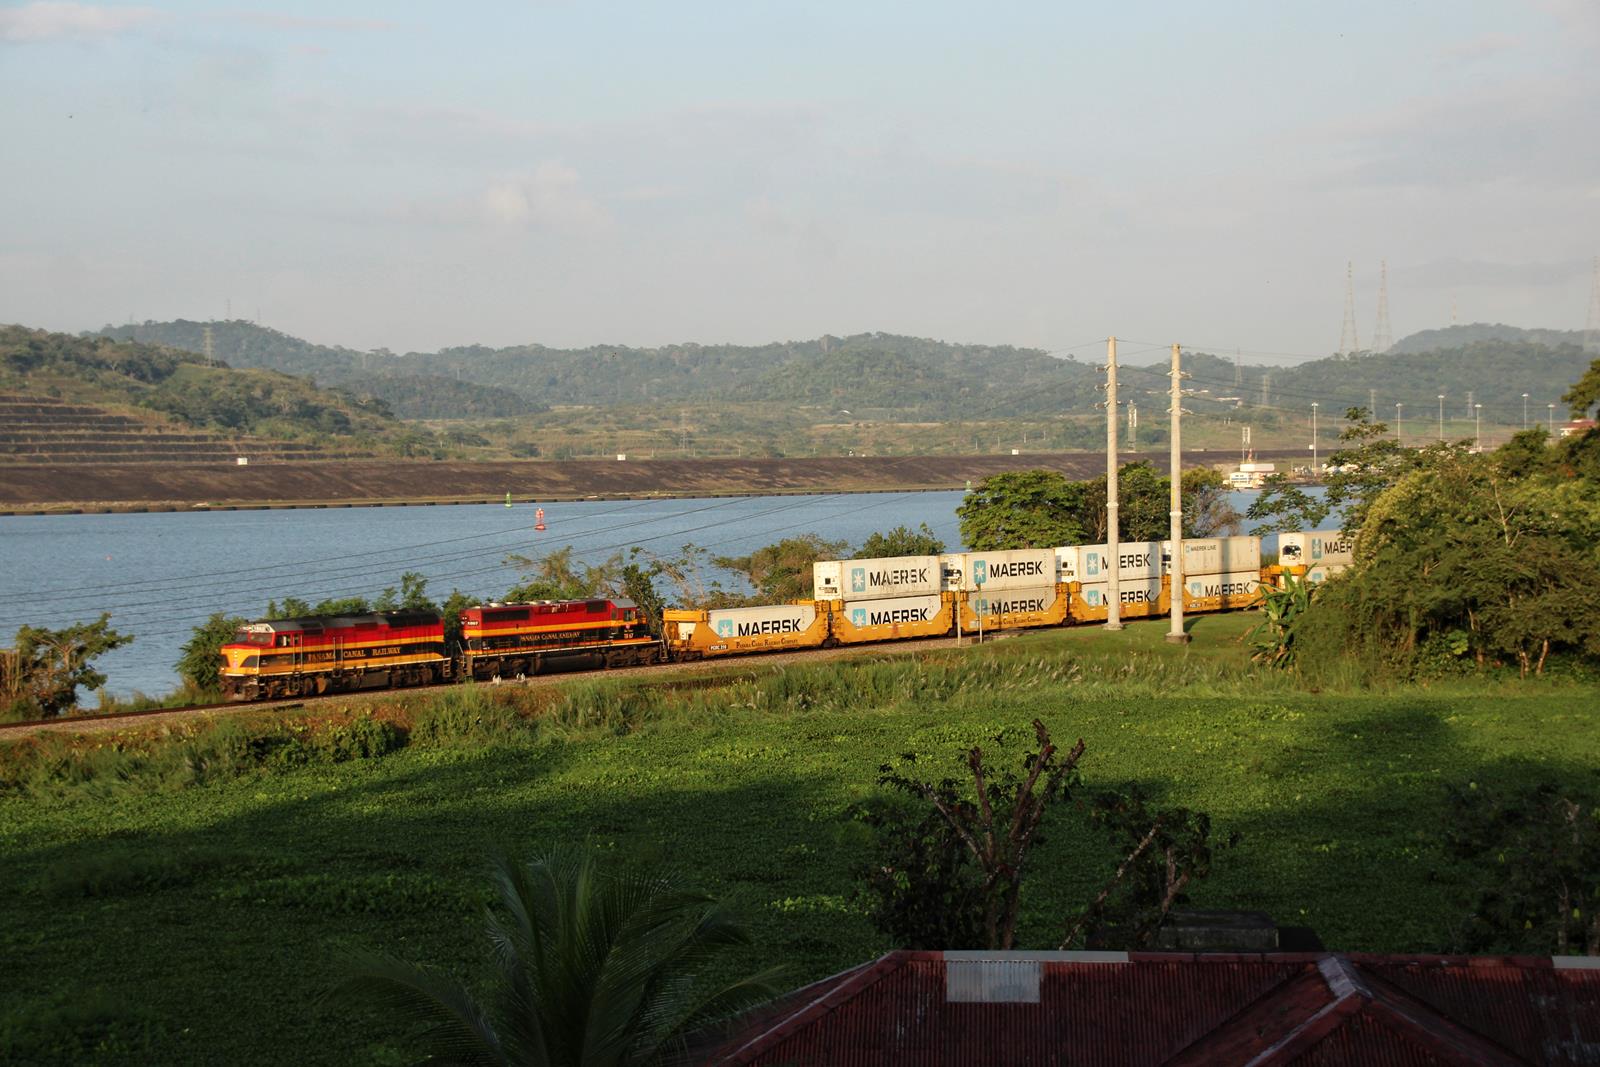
x=1316, y=467
x=1552, y=408
x=1524, y=411
x=1477, y=414
x=1441, y=418
x=1399, y=421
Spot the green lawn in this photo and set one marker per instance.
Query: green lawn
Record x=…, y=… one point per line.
x=203, y=924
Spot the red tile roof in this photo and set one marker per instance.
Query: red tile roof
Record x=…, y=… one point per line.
x=935, y=1008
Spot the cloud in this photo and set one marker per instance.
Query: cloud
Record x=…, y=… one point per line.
x=551, y=197
x=273, y=21
x=48, y=20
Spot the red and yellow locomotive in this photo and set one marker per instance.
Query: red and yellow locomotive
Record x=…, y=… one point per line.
x=507, y=640
x=334, y=654
x=340, y=653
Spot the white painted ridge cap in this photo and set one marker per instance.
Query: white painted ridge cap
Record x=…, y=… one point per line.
x=981, y=955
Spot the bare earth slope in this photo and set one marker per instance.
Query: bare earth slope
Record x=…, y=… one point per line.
x=34, y=486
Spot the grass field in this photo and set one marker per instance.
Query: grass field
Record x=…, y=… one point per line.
x=160, y=921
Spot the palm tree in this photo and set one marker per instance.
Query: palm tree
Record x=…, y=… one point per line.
x=590, y=968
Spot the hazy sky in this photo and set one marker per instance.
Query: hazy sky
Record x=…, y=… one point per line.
x=412, y=175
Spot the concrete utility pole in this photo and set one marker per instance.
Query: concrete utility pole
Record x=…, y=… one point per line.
x=1441, y=418
x=1316, y=467
x=1399, y=421
x=1175, y=635
x=1524, y=411
x=1477, y=412
x=1552, y=408
x=1113, y=534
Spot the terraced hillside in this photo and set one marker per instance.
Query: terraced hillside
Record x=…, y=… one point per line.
x=40, y=429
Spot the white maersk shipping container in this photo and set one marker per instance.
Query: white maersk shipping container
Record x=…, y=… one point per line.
x=1014, y=601
x=893, y=611
x=762, y=621
x=1216, y=555
x=1228, y=588
x=1091, y=563
x=866, y=579
x=1314, y=548
x=1133, y=591
x=1017, y=568
x=1322, y=572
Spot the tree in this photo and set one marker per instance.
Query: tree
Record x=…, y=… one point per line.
x=782, y=571
x=52, y=664
x=1585, y=392
x=558, y=576
x=1028, y=509
x=1282, y=505
x=1537, y=853
x=411, y=596
x=1207, y=511
x=201, y=664
x=919, y=877
x=901, y=541
x=639, y=586
x=590, y=966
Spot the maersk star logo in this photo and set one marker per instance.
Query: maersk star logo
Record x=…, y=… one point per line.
x=1196, y=588
x=858, y=616
x=980, y=571
x=1316, y=548
x=1091, y=565
x=725, y=628
x=858, y=579
x=1093, y=597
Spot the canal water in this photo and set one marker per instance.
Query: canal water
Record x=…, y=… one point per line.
x=162, y=574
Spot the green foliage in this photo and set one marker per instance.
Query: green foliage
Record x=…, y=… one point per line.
x=782, y=571
x=1282, y=505
x=467, y=716
x=1585, y=392
x=1458, y=548
x=201, y=664
x=901, y=541
x=1043, y=509
x=1207, y=511
x=50, y=665
x=1537, y=858
x=411, y=596
x=558, y=576
x=1030, y=509
x=591, y=965
x=638, y=585
x=81, y=1026
x=924, y=875
x=1165, y=851
x=1273, y=638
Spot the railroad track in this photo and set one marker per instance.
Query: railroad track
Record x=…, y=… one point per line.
x=91, y=723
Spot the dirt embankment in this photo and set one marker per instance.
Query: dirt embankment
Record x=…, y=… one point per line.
x=30, y=487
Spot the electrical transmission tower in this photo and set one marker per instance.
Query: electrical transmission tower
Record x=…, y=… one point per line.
x=207, y=345
x=1348, y=341
x=1591, y=332
x=1381, y=340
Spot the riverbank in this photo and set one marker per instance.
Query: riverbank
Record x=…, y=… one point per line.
x=31, y=489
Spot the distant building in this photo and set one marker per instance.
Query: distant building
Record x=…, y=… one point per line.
x=948, y=1008
x=1577, y=427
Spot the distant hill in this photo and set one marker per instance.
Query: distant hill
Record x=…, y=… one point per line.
x=1461, y=336
x=912, y=377
x=1495, y=372
x=204, y=394
x=406, y=392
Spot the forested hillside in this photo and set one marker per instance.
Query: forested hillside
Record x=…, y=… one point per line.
x=204, y=394
x=877, y=376
x=913, y=377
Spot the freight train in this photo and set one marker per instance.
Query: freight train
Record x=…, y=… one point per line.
x=853, y=602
